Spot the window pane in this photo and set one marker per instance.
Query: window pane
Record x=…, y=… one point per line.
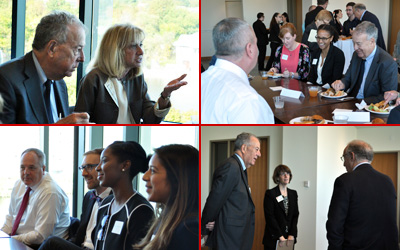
x=35, y=10
x=18, y=139
x=112, y=134
x=171, y=46
x=61, y=158
x=5, y=30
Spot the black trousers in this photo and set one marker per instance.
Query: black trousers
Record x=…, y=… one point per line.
x=262, y=51
x=274, y=47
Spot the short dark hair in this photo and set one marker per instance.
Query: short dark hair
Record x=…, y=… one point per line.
x=278, y=170
x=96, y=151
x=259, y=15
x=331, y=30
x=241, y=139
x=350, y=4
x=321, y=2
x=286, y=16
x=133, y=152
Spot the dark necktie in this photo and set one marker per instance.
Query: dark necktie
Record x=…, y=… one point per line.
x=93, y=196
x=21, y=211
x=245, y=173
x=47, y=92
x=356, y=88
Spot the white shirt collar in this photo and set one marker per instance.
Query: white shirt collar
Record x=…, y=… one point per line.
x=360, y=164
x=231, y=67
x=241, y=161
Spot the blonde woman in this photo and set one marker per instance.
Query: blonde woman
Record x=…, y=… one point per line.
x=114, y=91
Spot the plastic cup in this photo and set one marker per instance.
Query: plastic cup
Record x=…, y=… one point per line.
x=340, y=119
x=279, y=102
x=313, y=90
x=264, y=75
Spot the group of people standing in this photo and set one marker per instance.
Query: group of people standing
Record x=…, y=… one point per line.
x=362, y=212
x=114, y=215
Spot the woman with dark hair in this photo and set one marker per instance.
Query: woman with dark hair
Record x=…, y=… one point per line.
x=293, y=58
x=124, y=218
x=328, y=60
x=281, y=210
x=275, y=41
x=337, y=15
x=285, y=18
x=172, y=181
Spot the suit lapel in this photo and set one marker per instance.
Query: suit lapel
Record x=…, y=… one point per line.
x=34, y=91
x=372, y=69
x=111, y=90
x=243, y=176
x=277, y=194
x=61, y=96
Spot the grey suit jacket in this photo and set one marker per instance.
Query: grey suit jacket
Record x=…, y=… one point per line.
x=382, y=76
x=95, y=99
x=362, y=212
x=230, y=205
x=21, y=90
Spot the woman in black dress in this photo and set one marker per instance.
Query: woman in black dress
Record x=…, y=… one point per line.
x=275, y=41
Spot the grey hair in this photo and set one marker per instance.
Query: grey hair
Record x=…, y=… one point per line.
x=367, y=28
x=360, y=6
x=230, y=37
x=39, y=154
x=54, y=27
x=243, y=138
x=361, y=150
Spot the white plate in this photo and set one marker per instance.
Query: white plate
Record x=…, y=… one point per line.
x=379, y=113
x=275, y=75
x=334, y=97
x=298, y=119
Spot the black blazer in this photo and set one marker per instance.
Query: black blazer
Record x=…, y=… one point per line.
x=313, y=46
x=274, y=34
x=261, y=32
x=21, y=90
x=382, y=76
x=394, y=116
x=333, y=66
x=276, y=220
x=310, y=16
x=230, y=205
x=94, y=98
x=368, y=16
x=362, y=213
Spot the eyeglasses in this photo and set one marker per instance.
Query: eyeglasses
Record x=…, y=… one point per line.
x=104, y=222
x=88, y=167
x=322, y=38
x=284, y=173
x=342, y=157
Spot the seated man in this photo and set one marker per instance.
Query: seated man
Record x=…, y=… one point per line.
x=226, y=94
x=48, y=211
x=90, y=206
x=372, y=70
x=32, y=86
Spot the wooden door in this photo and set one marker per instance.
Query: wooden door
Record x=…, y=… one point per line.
x=386, y=163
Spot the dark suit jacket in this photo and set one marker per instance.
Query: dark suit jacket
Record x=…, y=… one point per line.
x=87, y=207
x=230, y=205
x=313, y=46
x=261, y=32
x=333, y=66
x=276, y=220
x=310, y=16
x=94, y=98
x=21, y=90
x=394, y=116
x=368, y=16
x=382, y=76
x=362, y=213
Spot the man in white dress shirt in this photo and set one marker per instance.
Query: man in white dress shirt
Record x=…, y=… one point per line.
x=226, y=94
x=47, y=212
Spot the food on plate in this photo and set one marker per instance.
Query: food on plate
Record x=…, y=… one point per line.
x=315, y=119
x=333, y=92
x=378, y=121
x=271, y=73
x=379, y=107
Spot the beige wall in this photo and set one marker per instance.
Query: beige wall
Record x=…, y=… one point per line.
x=313, y=154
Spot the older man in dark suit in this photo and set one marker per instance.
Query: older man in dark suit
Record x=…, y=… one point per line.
x=262, y=39
x=90, y=206
x=372, y=70
x=32, y=86
x=360, y=11
x=362, y=213
x=229, y=203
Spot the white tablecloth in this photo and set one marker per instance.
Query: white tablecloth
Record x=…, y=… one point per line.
x=347, y=47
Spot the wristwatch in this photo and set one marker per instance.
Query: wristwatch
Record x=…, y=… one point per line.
x=165, y=98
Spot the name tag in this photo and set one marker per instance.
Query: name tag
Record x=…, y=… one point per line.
x=314, y=62
x=279, y=198
x=285, y=57
x=117, y=227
